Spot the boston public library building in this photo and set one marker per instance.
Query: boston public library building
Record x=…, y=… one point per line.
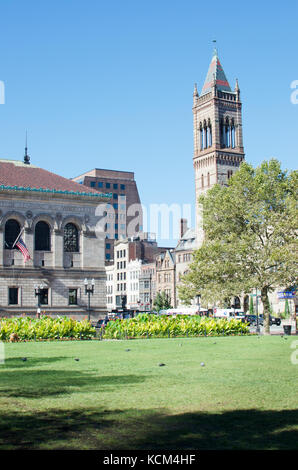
x=55, y=219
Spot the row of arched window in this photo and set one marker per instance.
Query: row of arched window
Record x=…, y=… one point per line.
x=205, y=134
x=42, y=236
x=227, y=133
x=207, y=180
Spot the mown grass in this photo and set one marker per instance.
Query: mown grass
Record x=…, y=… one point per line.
x=117, y=396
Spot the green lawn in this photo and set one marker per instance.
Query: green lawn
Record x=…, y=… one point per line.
x=245, y=397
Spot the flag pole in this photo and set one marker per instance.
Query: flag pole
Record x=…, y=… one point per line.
x=19, y=236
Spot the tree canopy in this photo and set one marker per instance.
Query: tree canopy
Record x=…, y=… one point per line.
x=250, y=236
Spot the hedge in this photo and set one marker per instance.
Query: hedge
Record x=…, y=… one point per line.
x=26, y=328
x=148, y=325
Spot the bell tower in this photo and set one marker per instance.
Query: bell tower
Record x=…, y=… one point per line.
x=218, y=143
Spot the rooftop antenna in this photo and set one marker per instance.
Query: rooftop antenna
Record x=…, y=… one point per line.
x=214, y=47
x=26, y=156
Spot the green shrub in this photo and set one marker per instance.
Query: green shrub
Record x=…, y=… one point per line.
x=162, y=326
x=45, y=328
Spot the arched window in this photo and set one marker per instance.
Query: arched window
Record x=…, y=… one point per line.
x=12, y=231
x=42, y=236
x=208, y=179
x=202, y=181
x=201, y=137
x=227, y=132
x=71, y=238
x=233, y=142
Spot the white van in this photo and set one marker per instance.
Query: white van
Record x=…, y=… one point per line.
x=228, y=313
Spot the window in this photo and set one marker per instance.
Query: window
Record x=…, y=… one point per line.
x=13, y=295
x=42, y=236
x=100, y=184
x=115, y=196
x=115, y=206
x=12, y=231
x=71, y=238
x=115, y=185
x=108, y=185
x=108, y=256
x=44, y=296
x=122, y=186
x=73, y=296
x=108, y=246
x=92, y=184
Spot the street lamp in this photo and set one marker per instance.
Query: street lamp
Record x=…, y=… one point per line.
x=38, y=289
x=89, y=289
x=257, y=312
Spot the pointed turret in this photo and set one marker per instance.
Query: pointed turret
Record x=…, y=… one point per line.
x=215, y=76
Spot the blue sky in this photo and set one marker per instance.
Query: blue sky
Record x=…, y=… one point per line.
x=109, y=84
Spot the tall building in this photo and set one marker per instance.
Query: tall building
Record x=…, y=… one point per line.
x=218, y=143
x=123, y=214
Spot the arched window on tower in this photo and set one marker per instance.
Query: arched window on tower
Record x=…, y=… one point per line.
x=11, y=233
x=209, y=133
x=222, y=134
x=205, y=130
x=208, y=179
x=227, y=134
x=71, y=238
x=202, y=181
x=233, y=143
x=42, y=236
x=201, y=137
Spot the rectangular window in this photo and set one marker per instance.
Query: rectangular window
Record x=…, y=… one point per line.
x=115, y=206
x=108, y=185
x=92, y=184
x=122, y=186
x=115, y=196
x=13, y=295
x=44, y=296
x=100, y=184
x=108, y=256
x=73, y=296
x=115, y=185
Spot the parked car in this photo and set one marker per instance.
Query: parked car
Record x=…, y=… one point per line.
x=272, y=320
x=250, y=319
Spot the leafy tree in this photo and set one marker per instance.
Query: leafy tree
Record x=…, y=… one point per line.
x=162, y=301
x=250, y=236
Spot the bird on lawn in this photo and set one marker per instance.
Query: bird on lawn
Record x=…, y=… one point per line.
x=77, y=359
x=24, y=359
x=161, y=364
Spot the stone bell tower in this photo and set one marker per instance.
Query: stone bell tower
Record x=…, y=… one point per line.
x=218, y=143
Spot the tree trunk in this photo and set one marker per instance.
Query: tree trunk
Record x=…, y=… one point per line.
x=266, y=310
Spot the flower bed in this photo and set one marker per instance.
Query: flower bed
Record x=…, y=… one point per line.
x=155, y=326
x=44, y=328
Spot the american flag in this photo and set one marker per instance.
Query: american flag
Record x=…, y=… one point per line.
x=22, y=247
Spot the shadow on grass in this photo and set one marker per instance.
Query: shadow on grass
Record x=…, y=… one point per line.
x=18, y=362
x=149, y=430
x=28, y=383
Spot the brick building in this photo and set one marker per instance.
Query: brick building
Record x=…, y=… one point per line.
x=123, y=214
x=218, y=143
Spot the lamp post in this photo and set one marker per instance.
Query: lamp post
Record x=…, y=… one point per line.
x=38, y=289
x=257, y=312
x=89, y=289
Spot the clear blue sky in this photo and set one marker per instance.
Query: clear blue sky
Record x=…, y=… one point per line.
x=109, y=84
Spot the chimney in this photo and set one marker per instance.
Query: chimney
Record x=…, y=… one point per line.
x=183, y=227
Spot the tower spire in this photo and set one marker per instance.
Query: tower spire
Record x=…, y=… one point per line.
x=26, y=156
